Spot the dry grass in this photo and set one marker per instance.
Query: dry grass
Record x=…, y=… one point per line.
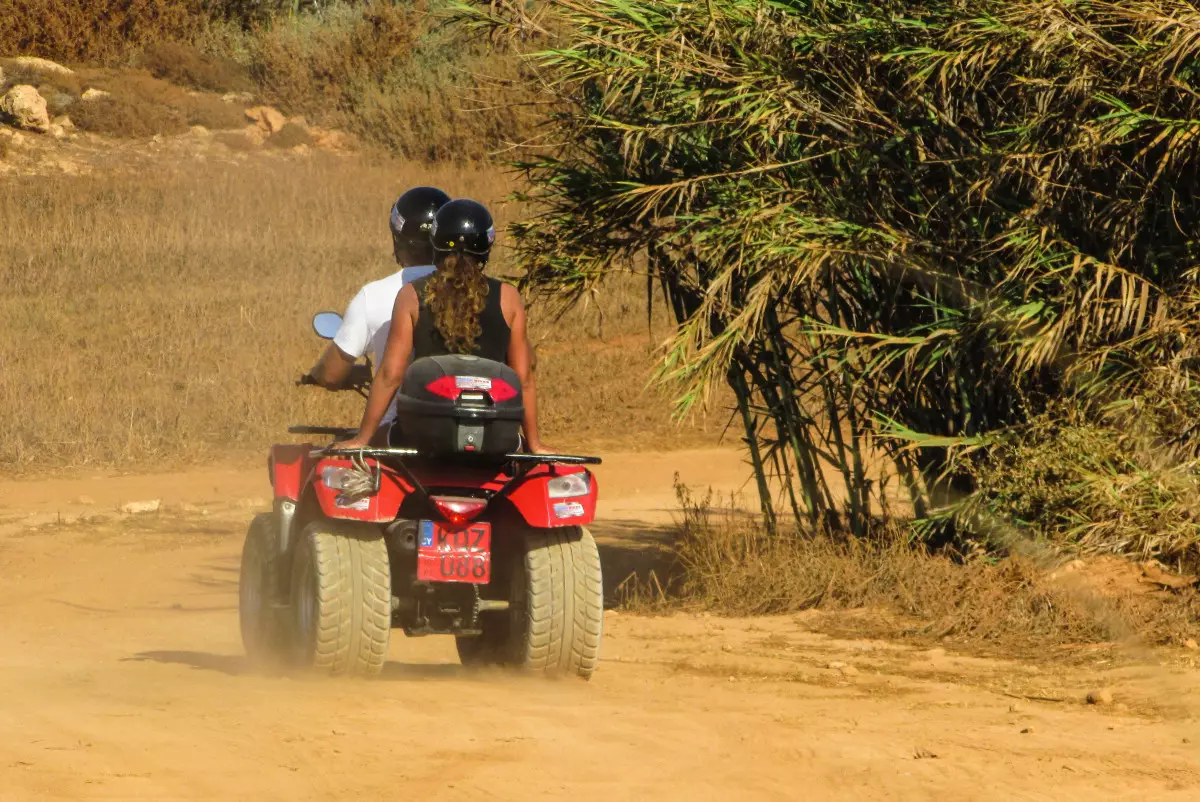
x=727, y=563
x=161, y=317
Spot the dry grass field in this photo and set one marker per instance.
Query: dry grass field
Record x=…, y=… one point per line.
x=160, y=316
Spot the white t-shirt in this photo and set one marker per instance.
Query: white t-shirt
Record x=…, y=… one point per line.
x=368, y=319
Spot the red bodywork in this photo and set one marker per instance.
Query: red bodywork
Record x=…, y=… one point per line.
x=294, y=471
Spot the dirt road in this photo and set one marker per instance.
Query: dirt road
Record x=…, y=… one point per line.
x=121, y=677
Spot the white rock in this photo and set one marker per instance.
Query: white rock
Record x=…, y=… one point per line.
x=40, y=65
x=24, y=107
x=94, y=94
x=141, y=507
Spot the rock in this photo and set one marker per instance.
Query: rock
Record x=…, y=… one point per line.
x=1027, y=731
x=141, y=507
x=1, y=76
x=1190, y=643
x=94, y=94
x=61, y=127
x=40, y=65
x=269, y=119
x=837, y=665
x=726, y=647
x=237, y=97
x=1100, y=697
x=199, y=131
x=849, y=671
x=85, y=500
x=333, y=140
x=24, y=107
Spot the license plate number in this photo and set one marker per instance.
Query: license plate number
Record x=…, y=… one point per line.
x=454, y=553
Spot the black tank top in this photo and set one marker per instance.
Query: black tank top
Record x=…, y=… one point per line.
x=493, y=340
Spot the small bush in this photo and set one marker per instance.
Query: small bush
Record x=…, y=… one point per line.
x=184, y=65
x=1083, y=482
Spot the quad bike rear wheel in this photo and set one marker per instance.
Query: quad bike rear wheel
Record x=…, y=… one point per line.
x=259, y=612
x=341, y=599
x=556, y=609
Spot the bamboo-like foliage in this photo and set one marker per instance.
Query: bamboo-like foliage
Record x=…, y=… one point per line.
x=897, y=228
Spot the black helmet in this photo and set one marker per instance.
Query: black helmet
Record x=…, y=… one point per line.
x=463, y=225
x=412, y=216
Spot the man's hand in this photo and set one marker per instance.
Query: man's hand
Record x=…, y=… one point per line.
x=352, y=444
x=360, y=376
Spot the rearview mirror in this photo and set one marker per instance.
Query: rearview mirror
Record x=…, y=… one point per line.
x=326, y=324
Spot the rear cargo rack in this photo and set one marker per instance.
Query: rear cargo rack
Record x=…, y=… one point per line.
x=527, y=459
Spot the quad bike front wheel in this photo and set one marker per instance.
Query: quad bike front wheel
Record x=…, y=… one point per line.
x=341, y=599
x=259, y=612
x=556, y=609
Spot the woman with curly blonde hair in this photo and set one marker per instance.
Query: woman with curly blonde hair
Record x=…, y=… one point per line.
x=456, y=310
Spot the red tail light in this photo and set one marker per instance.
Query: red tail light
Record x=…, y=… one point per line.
x=502, y=391
x=458, y=511
x=445, y=387
x=453, y=386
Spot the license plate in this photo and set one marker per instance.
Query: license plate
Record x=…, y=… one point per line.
x=454, y=553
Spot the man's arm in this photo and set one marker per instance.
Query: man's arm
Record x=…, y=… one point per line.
x=333, y=368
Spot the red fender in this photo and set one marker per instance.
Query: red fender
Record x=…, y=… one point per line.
x=289, y=466
x=531, y=497
x=382, y=507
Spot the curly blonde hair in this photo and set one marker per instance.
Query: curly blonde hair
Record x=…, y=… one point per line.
x=456, y=294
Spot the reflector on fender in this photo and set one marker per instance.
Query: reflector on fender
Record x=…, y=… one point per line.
x=458, y=511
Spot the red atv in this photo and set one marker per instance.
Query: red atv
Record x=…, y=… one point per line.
x=459, y=534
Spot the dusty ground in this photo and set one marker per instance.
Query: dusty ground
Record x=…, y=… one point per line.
x=121, y=677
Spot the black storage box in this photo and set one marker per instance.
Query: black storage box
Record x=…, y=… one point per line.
x=460, y=405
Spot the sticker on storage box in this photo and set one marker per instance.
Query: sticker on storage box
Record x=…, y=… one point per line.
x=568, y=509
x=472, y=383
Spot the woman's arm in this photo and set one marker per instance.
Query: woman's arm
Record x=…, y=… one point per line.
x=519, y=360
x=391, y=368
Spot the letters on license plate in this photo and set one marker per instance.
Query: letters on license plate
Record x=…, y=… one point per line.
x=454, y=553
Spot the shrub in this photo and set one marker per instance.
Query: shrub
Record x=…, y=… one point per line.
x=140, y=105
x=103, y=31
x=730, y=563
x=183, y=64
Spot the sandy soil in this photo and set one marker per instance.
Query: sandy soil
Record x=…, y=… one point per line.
x=121, y=677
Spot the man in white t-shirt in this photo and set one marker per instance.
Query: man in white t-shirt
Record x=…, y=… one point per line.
x=368, y=318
